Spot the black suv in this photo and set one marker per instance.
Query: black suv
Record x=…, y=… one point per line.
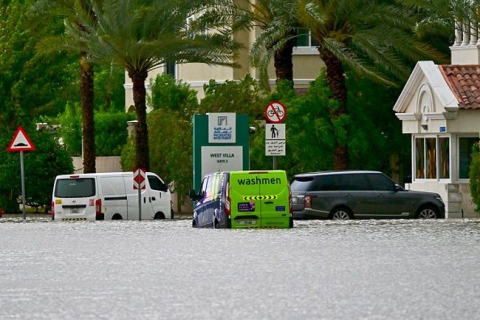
x=345, y=195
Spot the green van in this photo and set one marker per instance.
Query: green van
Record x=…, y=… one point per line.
x=243, y=199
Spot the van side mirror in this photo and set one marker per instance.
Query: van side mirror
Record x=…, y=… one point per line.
x=193, y=195
x=397, y=187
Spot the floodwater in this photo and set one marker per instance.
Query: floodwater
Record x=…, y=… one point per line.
x=367, y=269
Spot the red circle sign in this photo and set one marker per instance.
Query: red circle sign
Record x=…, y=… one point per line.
x=275, y=112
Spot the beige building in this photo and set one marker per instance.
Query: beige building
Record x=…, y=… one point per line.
x=306, y=62
x=440, y=108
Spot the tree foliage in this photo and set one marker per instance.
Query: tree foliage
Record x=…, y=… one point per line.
x=41, y=166
x=70, y=11
x=474, y=175
x=143, y=35
x=279, y=24
x=371, y=129
x=309, y=132
x=30, y=85
x=170, y=126
x=243, y=97
x=70, y=128
x=109, y=90
x=171, y=94
x=110, y=130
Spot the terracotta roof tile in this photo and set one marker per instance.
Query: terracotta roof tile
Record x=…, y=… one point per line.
x=464, y=80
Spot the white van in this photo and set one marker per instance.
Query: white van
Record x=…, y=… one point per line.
x=109, y=196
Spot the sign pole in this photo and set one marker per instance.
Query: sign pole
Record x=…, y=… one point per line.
x=275, y=113
x=21, y=142
x=23, y=185
x=139, y=203
x=139, y=176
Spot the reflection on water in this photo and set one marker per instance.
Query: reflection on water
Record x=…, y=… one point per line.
x=368, y=269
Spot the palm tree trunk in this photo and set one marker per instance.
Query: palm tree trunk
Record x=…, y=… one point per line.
x=87, y=96
x=336, y=83
x=142, y=153
x=283, y=62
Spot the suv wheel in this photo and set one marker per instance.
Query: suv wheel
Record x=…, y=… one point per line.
x=428, y=213
x=341, y=214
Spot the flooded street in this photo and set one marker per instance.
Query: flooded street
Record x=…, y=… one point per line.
x=405, y=269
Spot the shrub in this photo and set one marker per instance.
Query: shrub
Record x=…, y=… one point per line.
x=474, y=175
x=110, y=131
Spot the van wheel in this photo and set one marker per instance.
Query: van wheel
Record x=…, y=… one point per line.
x=116, y=216
x=194, y=224
x=341, y=214
x=215, y=224
x=290, y=225
x=159, y=216
x=428, y=212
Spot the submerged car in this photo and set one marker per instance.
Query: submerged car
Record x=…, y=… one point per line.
x=342, y=195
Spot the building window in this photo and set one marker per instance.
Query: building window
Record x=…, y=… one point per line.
x=465, y=155
x=444, y=154
x=432, y=158
x=420, y=158
x=170, y=69
x=305, y=39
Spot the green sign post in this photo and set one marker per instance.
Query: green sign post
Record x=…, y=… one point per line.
x=220, y=143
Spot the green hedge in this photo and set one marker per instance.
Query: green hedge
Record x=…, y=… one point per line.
x=475, y=176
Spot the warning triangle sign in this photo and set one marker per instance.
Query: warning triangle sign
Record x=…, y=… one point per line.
x=20, y=141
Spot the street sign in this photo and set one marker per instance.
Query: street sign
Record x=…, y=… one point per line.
x=139, y=176
x=275, y=112
x=275, y=139
x=20, y=141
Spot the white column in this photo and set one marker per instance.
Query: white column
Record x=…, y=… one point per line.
x=458, y=34
x=466, y=35
x=473, y=34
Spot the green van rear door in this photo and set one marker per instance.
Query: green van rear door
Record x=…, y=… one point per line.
x=259, y=199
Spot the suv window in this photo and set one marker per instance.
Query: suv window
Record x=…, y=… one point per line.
x=348, y=182
x=356, y=182
x=331, y=182
x=326, y=183
x=303, y=184
x=380, y=182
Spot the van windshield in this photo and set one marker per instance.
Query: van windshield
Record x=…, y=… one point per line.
x=75, y=188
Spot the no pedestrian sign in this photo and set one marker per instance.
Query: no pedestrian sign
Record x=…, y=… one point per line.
x=275, y=112
x=20, y=142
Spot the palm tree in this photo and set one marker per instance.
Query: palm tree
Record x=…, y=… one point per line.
x=440, y=17
x=373, y=38
x=69, y=10
x=141, y=35
x=279, y=28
